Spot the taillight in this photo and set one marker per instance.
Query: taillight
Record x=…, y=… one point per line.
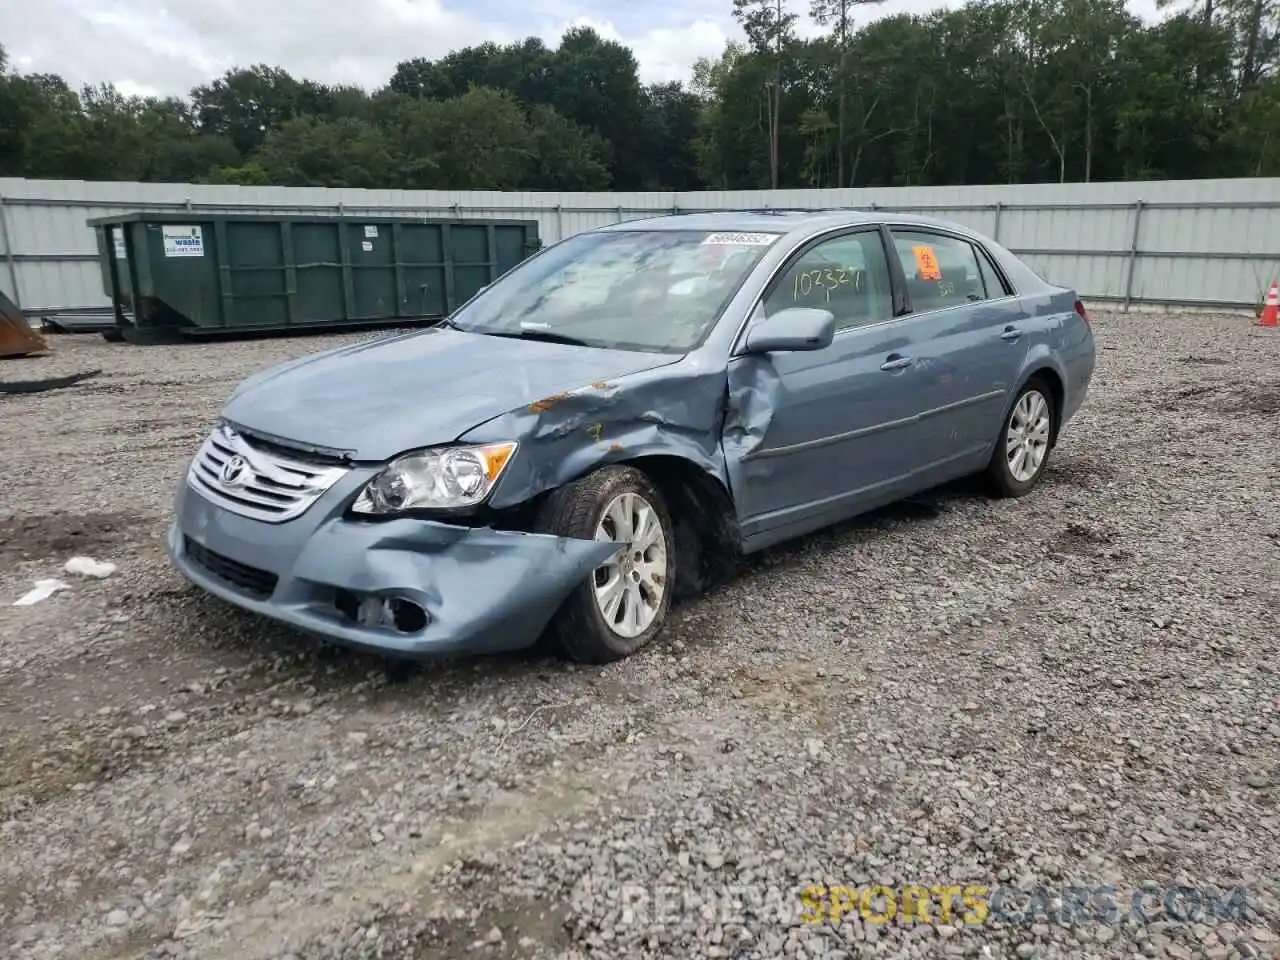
x=1083, y=313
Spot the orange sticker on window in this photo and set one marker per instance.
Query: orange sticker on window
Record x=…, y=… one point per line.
x=926, y=263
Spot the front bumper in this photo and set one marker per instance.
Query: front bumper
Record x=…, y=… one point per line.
x=483, y=590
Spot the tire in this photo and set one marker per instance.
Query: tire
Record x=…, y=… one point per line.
x=580, y=629
x=1036, y=398
x=113, y=335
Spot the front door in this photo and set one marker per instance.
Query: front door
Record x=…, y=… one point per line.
x=812, y=437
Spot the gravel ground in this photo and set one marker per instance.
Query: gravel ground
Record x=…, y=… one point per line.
x=1079, y=688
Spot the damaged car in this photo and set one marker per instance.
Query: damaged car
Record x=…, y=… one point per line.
x=616, y=418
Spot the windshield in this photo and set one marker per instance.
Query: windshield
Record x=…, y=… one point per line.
x=652, y=290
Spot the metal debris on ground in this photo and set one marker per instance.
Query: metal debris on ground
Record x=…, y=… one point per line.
x=17, y=339
x=51, y=383
x=80, y=321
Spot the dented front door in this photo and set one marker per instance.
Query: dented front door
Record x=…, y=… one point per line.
x=811, y=437
x=814, y=437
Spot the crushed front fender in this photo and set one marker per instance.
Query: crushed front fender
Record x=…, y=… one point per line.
x=674, y=411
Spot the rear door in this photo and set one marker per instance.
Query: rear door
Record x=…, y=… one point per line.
x=972, y=341
x=815, y=436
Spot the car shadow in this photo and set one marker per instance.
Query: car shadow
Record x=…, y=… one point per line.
x=921, y=508
x=332, y=667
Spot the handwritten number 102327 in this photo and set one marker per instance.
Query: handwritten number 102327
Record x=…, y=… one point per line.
x=825, y=279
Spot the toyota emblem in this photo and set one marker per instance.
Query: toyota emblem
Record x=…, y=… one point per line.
x=232, y=471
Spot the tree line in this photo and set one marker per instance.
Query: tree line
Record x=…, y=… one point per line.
x=996, y=91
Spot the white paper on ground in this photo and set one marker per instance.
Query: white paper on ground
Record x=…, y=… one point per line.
x=89, y=567
x=43, y=590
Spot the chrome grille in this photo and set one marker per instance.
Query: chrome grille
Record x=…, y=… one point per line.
x=237, y=475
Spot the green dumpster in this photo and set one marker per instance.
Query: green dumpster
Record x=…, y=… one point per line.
x=113, y=257
x=173, y=276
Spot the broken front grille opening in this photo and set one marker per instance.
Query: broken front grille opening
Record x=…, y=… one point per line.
x=388, y=613
x=248, y=580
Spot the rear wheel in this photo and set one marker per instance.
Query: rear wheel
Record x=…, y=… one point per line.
x=623, y=604
x=1022, y=452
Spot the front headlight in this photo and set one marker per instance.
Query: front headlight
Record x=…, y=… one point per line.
x=440, y=479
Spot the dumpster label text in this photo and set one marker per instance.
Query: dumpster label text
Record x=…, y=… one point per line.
x=183, y=241
x=117, y=237
x=371, y=231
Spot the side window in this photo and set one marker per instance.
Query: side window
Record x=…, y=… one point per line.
x=941, y=271
x=990, y=279
x=848, y=275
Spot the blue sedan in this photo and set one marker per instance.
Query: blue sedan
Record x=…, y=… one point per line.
x=616, y=418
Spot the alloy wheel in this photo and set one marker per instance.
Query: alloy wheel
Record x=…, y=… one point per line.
x=1027, y=436
x=629, y=587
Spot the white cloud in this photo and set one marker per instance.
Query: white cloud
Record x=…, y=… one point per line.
x=161, y=46
x=131, y=88
x=664, y=53
x=172, y=48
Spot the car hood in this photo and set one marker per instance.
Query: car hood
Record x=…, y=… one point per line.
x=372, y=401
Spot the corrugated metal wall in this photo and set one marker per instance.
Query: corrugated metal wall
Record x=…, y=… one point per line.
x=1195, y=242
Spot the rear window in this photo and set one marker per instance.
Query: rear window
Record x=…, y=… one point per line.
x=991, y=278
x=941, y=271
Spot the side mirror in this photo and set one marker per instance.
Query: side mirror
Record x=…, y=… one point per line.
x=790, y=330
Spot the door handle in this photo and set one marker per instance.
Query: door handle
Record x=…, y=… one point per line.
x=896, y=362
x=1011, y=333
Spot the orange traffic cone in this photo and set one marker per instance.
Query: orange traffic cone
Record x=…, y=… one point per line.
x=1271, y=307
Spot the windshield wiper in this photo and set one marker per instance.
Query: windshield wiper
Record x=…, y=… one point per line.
x=545, y=335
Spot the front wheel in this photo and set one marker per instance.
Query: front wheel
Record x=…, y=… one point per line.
x=624, y=603
x=1022, y=452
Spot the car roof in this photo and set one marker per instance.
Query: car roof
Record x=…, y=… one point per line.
x=801, y=222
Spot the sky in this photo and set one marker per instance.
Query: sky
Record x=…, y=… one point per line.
x=166, y=47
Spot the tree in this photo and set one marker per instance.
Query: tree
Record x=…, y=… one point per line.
x=991, y=91
x=245, y=175
x=838, y=14
x=595, y=83
x=1161, y=131
x=709, y=85
x=1257, y=130
x=50, y=133
x=481, y=140
x=770, y=29
x=564, y=155
x=243, y=105
x=306, y=152
x=669, y=133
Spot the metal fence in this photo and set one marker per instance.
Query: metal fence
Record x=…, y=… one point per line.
x=1202, y=243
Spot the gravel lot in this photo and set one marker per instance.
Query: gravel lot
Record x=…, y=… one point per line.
x=1078, y=688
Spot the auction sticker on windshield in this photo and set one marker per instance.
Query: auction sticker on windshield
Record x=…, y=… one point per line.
x=741, y=239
